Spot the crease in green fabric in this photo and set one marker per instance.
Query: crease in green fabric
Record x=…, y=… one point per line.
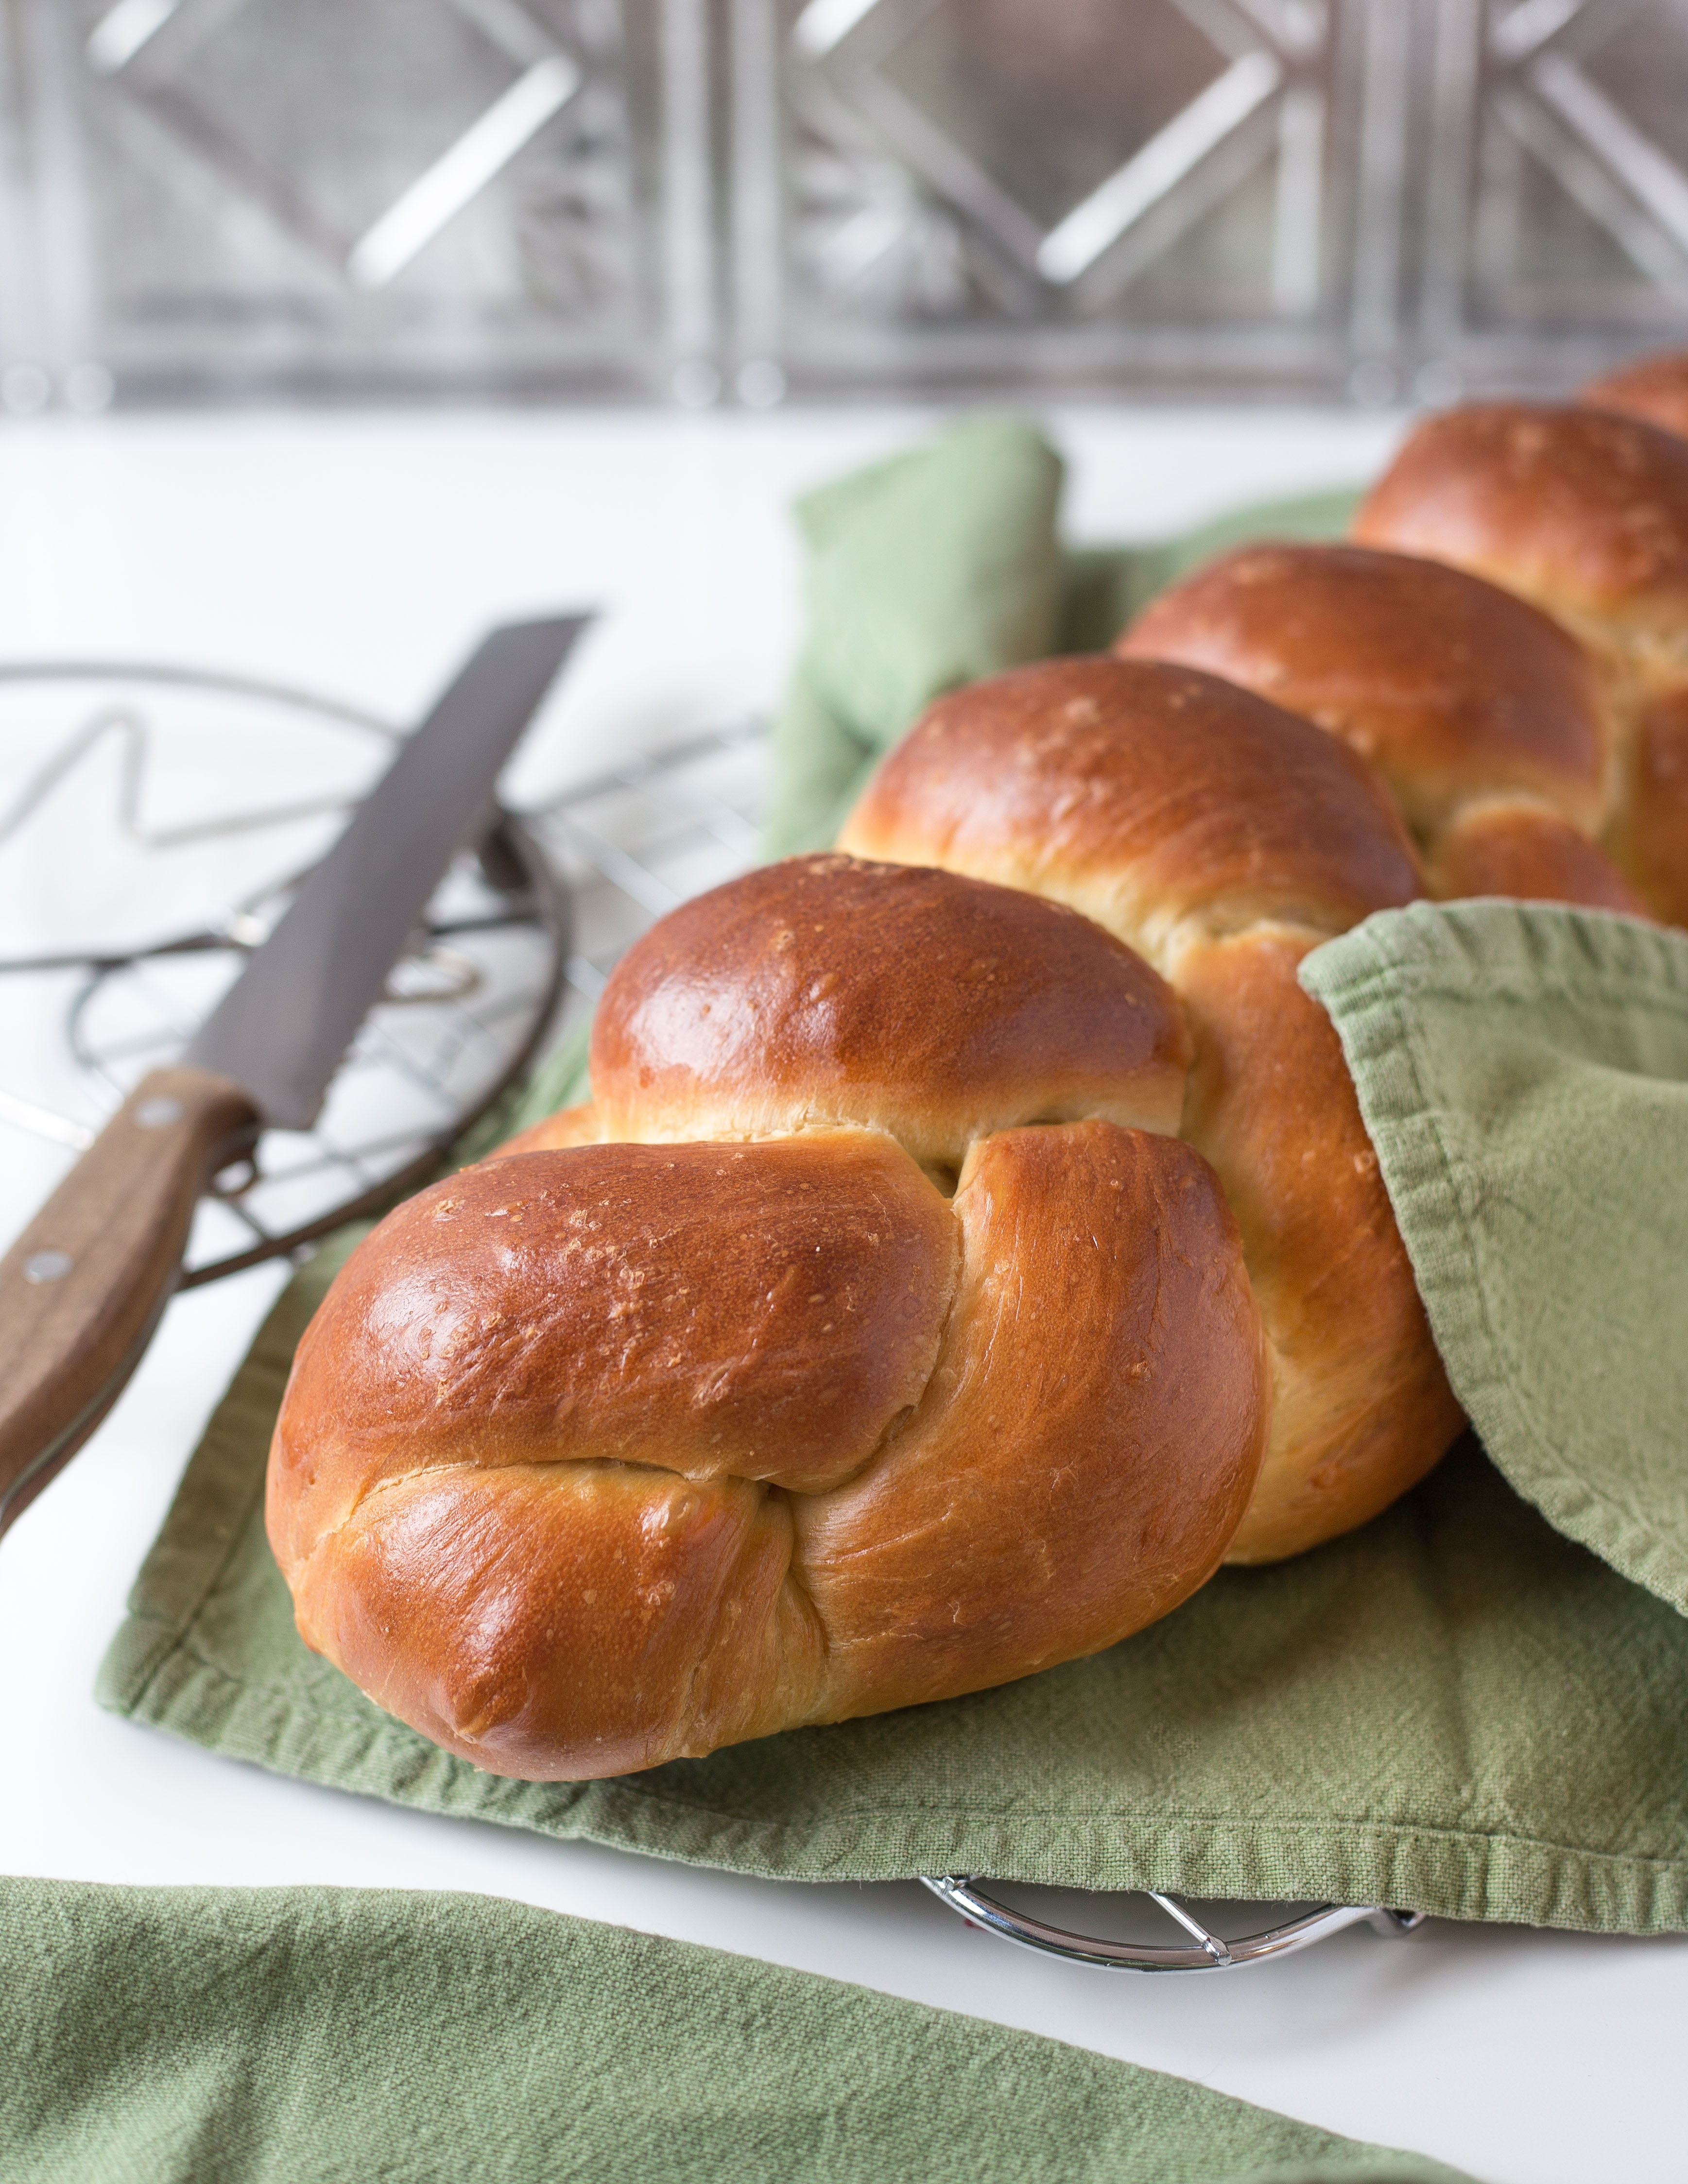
x=927, y=570
x=1523, y=1073
x=303, y=2036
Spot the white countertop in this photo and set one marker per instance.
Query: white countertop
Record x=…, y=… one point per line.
x=359, y=554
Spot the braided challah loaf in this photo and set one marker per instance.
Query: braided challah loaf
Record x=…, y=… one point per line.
x=964, y=1251
x=602, y=1453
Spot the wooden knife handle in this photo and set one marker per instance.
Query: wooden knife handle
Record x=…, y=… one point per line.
x=81, y=1290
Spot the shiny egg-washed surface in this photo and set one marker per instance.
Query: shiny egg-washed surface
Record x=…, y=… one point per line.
x=1507, y=642
x=1582, y=511
x=599, y=1455
x=1223, y=839
x=781, y=1386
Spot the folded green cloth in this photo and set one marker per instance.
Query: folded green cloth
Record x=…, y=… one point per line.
x=1460, y=1708
x=305, y=2035
x=1523, y=1075
x=931, y=569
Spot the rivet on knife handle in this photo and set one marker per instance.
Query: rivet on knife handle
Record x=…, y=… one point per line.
x=81, y=1288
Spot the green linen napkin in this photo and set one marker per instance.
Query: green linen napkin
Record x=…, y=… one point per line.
x=1523, y=1075
x=931, y=569
x=1460, y=1708
x=157, y=2036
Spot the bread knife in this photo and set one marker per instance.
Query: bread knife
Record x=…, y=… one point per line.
x=82, y=1288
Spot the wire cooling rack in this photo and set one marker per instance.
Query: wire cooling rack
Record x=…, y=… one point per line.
x=645, y=835
x=152, y=823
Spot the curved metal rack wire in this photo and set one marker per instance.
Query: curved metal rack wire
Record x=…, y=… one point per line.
x=466, y=1010
x=1204, y=1951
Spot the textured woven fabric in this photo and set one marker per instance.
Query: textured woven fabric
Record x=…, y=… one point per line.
x=311, y=2036
x=1523, y=1074
x=931, y=569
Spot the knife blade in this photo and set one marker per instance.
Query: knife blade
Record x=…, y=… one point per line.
x=82, y=1288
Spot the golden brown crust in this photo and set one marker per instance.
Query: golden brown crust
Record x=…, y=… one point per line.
x=825, y=991
x=598, y=1456
x=566, y=1620
x=606, y=1451
x=1450, y=687
x=1500, y=847
x=1654, y=388
x=762, y=1310
x=1145, y=796
x=578, y=1125
x=1498, y=736
x=1362, y=1407
x=1087, y=1444
x=1072, y=1463
x=1582, y=512
x=1653, y=833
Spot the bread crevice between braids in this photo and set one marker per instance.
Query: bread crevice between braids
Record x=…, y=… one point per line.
x=1223, y=837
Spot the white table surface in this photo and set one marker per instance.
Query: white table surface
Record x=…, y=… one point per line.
x=359, y=554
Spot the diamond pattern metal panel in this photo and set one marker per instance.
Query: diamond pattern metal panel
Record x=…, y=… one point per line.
x=364, y=193
x=1556, y=224
x=1072, y=192
x=693, y=199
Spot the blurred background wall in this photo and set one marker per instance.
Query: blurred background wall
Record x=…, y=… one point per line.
x=748, y=201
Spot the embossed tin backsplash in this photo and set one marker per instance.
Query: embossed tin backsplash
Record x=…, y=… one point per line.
x=690, y=200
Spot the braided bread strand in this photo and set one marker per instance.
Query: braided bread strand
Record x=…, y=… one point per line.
x=1224, y=840
x=1493, y=728
x=1583, y=513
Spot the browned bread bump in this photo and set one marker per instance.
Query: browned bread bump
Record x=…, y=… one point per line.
x=1149, y=798
x=825, y=991
x=598, y=1455
x=1652, y=828
x=1224, y=838
x=1492, y=726
x=1583, y=513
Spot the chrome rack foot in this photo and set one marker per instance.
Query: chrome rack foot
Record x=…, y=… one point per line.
x=1205, y=1952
